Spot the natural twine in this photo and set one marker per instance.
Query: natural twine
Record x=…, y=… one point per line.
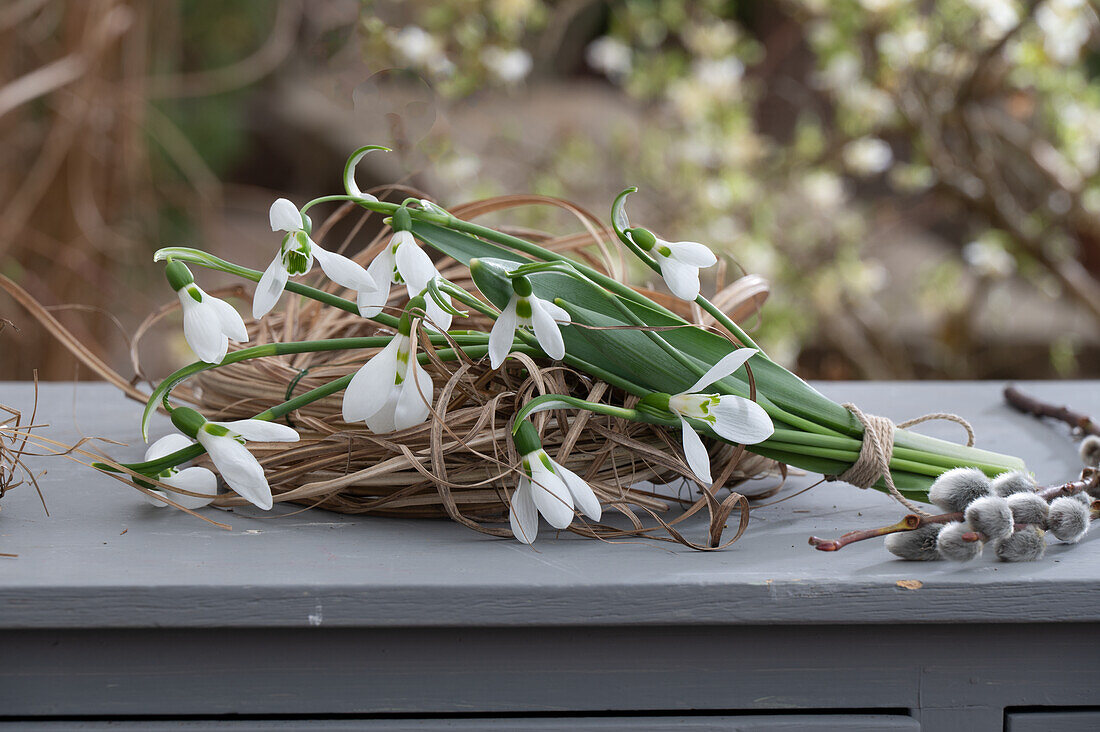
x=878, y=448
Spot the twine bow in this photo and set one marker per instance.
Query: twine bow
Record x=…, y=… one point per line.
x=878, y=448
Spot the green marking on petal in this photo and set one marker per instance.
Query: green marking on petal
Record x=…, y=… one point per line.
x=194, y=293
x=523, y=308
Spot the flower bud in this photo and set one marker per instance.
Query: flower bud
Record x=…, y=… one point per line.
x=916, y=545
x=951, y=545
x=1068, y=520
x=1090, y=451
x=957, y=488
x=178, y=275
x=1025, y=545
x=991, y=516
x=1028, y=508
x=1016, y=481
x=644, y=238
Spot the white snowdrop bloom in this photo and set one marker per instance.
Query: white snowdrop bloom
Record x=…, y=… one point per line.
x=403, y=262
x=609, y=56
x=546, y=487
x=509, y=66
x=208, y=323
x=680, y=261
x=225, y=443
x=391, y=391
x=195, y=479
x=527, y=309
x=296, y=257
x=868, y=156
x=731, y=417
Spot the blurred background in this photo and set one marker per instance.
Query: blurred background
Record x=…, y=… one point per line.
x=917, y=181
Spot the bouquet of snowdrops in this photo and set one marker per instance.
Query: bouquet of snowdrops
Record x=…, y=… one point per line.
x=689, y=380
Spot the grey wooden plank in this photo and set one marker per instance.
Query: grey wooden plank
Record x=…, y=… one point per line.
x=1053, y=721
x=739, y=723
x=77, y=569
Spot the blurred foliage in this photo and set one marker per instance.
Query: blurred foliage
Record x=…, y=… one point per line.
x=800, y=136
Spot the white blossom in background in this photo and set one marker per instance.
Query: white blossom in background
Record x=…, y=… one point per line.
x=824, y=190
x=988, y=259
x=997, y=16
x=609, y=56
x=225, y=443
x=403, y=262
x=737, y=419
x=549, y=488
x=1066, y=27
x=868, y=156
x=209, y=324
x=509, y=66
x=391, y=391
x=531, y=311
x=295, y=257
x=414, y=45
x=195, y=479
x=722, y=77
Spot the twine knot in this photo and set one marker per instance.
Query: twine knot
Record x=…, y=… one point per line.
x=878, y=448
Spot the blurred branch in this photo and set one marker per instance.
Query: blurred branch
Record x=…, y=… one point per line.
x=279, y=44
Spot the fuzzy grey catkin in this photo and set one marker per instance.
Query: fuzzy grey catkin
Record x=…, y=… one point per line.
x=957, y=488
x=1007, y=484
x=991, y=516
x=916, y=545
x=1025, y=545
x=951, y=545
x=1068, y=519
x=1028, y=508
x=1083, y=498
x=1090, y=451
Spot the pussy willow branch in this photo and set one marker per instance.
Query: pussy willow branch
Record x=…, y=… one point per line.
x=1038, y=408
x=1090, y=480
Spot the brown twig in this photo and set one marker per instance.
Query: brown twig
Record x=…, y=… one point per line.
x=1090, y=480
x=1082, y=423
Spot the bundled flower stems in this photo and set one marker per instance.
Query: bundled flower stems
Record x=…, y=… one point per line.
x=508, y=376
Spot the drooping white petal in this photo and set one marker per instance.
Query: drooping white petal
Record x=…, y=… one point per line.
x=522, y=513
x=202, y=329
x=382, y=421
x=196, y=480
x=414, y=402
x=343, y=271
x=260, y=430
x=165, y=446
x=726, y=365
x=349, y=175
x=691, y=252
x=437, y=317
x=741, y=420
x=269, y=288
x=695, y=453
x=380, y=270
x=372, y=384
x=231, y=322
x=503, y=333
x=284, y=216
x=682, y=279
x=547, y=332
x=551, y=496
x=583, y=497
x=240, y=470
x=413, y=264
x=555, y=312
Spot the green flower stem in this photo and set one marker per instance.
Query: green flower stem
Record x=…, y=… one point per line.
x=559, y=401
x=152, y=467
x=209, y=261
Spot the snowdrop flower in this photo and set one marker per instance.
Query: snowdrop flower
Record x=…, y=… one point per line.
x=208, y=323
x=391, y=391
x=195, y=479
x=546, y=487
x=525, y=308
x=225, y=443
x=734, y=418
x=296, y=257
x=680, y=261
x=403, y=261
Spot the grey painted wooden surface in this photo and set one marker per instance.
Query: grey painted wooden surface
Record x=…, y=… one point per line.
x=317, y=614
x=78, y=569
